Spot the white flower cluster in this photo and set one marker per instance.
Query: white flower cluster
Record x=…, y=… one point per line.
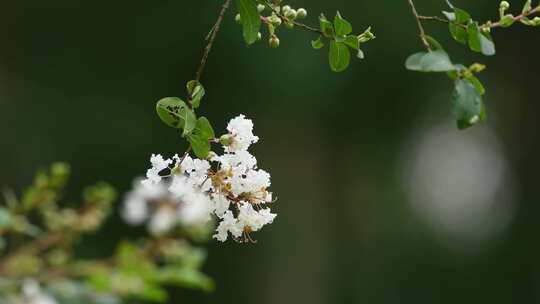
x=32, y=294
x=229, y=186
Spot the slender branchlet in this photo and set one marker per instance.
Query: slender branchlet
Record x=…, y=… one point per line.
x=422, y=32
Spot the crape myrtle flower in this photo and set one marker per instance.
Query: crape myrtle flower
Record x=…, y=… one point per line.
x=187, y=191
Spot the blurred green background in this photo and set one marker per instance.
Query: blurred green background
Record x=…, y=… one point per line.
x=381, y=199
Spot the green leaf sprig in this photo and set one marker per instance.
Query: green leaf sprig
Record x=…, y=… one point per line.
x=467, y=104
x=338, y=33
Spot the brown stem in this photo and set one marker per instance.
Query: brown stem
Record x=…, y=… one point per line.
x=305, y=27
x=210, y=38
x=485, y=25
x=422, y=32
x=516, y=18
x=433, y=18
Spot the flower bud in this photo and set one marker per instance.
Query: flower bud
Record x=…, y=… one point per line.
x=274, y=20
x=238, y=19
x=301, y=13
x=226, y=139
x=274, y=42
x=477, y=68
x=259, y=36
x=290, y=14
x=285, y=9
x=507, y=20
x=536, y=21
x=366, y=36
x=504, y=5
x=289, y=25
x=261, y=8
x=211, y=155
x=59, y=174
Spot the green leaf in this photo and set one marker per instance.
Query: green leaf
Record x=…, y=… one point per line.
x=326, y=26
x=455, y=74
x=200, y=145
x=342, y=26
x=487, y=45
x=196, y=92
x=527, y=21
x=466, y=104
x=168, y=110
x=185, y=277
x=152, y=292
x=478, y=41
x=127, y=256
x=190, y=120
x=483, y=113
x=507, y=20
x=352, y=42
x=251, y=20
x=434, y=44
x=339, y=56
x=436, y=61
x=461, y=15
x=477, y=84
x=527, y=7
x=5, y=218
x=204, y=128
x=317, y=44
x=201, y=136
x=458, y=32
x=449, y=15
x=474, y=37
x=100, y=281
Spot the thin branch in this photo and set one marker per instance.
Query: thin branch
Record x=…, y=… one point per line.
x=422, y=32
x=296, y=23
x=210, y=38
x=488, y=24
x=185, y=155
x=433, y=18
x=516, y=18
x=303, y=26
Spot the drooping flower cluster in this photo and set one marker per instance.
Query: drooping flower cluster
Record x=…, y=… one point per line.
x=32, y=294
x=153, y=202
x=183, y=190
